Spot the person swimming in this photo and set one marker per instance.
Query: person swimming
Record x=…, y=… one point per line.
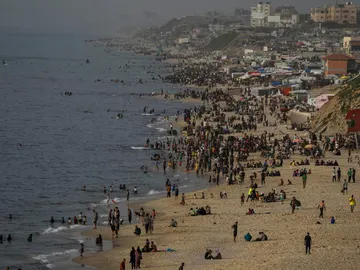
x=30, y=238
x=10, y=216
x=9, y=238
x=52, y=221
x=135, y=190
x=1, y=239
x=62, y=220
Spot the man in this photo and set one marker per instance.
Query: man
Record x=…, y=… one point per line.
x=304, y=178
x=122, y=264
x=349, y=173
x=352, y=203
x=322, y=208
x=353, y=175
x=338, y=174
x=235, y=228
x=95, y=219
x=345, y=187
x=307, y=242
x=182, y=266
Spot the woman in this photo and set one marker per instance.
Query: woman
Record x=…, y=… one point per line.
x=138, y=257
x=132, y=258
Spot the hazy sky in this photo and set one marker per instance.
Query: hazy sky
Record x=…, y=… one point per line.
x=106, y=16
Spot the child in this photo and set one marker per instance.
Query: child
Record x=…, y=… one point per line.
x=81, y=250
x=242, y=199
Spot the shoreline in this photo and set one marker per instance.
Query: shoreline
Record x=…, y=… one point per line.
x=286, y=231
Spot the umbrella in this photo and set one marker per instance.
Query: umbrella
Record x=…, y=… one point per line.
x=309, y=146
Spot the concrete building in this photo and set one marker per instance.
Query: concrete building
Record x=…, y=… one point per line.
x=339, y=64
x=283, y=20
x=342, y=13
x=260, y=14
x=351, y=45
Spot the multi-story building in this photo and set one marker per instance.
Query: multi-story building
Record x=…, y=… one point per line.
x=284, y=16
x=351, y=45
x=260, y=14
x=342, y=13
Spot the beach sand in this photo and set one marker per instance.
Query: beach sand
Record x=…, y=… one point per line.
x=334, y=246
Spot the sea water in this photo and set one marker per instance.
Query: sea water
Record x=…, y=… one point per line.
x=52, y=144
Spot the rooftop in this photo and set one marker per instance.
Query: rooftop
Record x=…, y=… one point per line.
x=338, y=56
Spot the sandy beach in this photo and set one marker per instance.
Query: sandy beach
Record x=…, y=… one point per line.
x=335, y=246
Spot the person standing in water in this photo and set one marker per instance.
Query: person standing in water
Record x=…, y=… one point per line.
x=81, y=250
x=127, y=195
x=95, y=219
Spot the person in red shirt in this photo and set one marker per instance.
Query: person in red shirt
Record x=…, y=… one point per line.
x=122, y=264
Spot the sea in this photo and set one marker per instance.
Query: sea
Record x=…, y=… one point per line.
x=52, y=144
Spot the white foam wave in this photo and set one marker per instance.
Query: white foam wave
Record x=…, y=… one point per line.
x=104, y=223
x=139, y=147
x=150, y=125
x=44, y=258
x=61, y=228
x=103, y=202
x=147, y=114
x=161, y=129
x=154, y=192
x=104, y=216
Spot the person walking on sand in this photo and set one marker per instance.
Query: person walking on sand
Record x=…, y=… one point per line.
x=353, y=175
x=338, y=174
x=182, y=266
x=304, y=179
x=132, y=258
x=138, y=257
x=322, y=208
x=307, y=242
x=334, y=175
x=349, y=174
x=345, y=187
x=122, y=264
x=352, y=203
x=235, y=229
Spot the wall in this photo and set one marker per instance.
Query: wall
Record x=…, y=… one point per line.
x=337, y=67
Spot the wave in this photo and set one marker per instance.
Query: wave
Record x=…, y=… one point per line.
x=139, y=148
x=150, y=125
x=154, y=192
x=61, y=228
x=44, y=258
x=161, y=129
x=147, y=114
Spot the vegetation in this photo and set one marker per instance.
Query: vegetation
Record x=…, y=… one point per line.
x=221, y=42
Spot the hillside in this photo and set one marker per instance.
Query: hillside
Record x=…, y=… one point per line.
x=332, y=115
x=221, y=42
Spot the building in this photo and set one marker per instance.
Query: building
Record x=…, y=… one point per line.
x=259, y=14
x=339, y=64
x=342, y=13
x=351, y=45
